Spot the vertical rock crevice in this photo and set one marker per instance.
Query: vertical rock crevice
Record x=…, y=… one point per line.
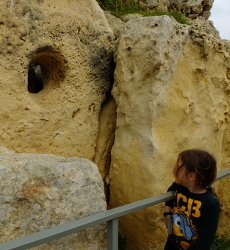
x=105, y=139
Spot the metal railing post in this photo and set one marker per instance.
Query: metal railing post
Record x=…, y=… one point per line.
x=112, y=234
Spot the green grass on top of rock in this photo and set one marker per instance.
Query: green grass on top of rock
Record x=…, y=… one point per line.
x=120, y=8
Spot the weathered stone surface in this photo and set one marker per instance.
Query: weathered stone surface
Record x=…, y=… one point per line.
x=73, y=43
x=105, y=140
x=224, y=185
x=160, y=5
x=41, y=191
x=130, y=17
x=203, y=25
x=115, y=23
x=171, y=89
x=193, y=8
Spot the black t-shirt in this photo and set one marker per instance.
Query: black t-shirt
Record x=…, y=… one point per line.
x=195, y=218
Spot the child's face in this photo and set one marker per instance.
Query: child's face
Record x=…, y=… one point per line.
x=181, y=174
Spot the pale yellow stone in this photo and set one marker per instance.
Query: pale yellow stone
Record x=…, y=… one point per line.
x=171, y=89
x=73, y=42
x=41, y=191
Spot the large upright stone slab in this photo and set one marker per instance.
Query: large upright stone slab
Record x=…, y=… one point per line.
x=38, y=192
x=171, y=89
x=73, y=43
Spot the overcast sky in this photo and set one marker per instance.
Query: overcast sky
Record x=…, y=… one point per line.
x=220, y=15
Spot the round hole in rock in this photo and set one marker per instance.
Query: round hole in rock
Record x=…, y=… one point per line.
x=47, y=69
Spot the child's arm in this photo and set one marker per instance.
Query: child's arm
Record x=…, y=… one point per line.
x=168, y=208
x=167, y=215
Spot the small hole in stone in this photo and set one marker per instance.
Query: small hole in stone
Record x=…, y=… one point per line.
x=35, y=78
x=46, y=70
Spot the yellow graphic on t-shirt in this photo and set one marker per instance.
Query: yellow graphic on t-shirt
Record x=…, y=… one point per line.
x=188, y=206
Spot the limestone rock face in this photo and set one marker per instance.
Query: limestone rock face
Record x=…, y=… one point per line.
x=172, y=90
x=105, y=140
x=206, y=26
x=73, y=43
x=171, y=93
x=42, y=191
x=224, y=185
x=160, y=5
x=115, y=23
x=193, y=8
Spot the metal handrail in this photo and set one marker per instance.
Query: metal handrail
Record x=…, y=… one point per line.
x=110, y=216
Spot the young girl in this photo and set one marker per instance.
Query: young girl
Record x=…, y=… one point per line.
x=195, y=209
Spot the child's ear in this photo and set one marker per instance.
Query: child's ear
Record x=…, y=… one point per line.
x=192, y=177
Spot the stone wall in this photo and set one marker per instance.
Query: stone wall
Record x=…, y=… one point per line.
x=42, y=191
x=190, y=8
x=172, y=91
x=73, y=44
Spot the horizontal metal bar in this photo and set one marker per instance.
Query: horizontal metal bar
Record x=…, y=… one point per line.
x=223, y=174
x=81, y=224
